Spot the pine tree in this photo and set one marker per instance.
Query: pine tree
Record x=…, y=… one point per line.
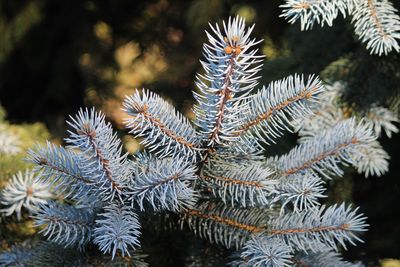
x=376, y=22
x=211, y=172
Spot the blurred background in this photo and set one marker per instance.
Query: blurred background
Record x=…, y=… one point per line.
x=57, y=56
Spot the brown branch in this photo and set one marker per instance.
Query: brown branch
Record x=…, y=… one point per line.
x=304, y=94
x=377, y=22
x=320, y=157
x=302, y=5
x=164, y=129
x=342, y=227
x=44, y=162
x=105, y=163
x=225, y=95
x=232, y=181
x=226, y=221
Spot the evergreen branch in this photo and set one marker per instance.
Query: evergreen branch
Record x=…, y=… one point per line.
x=314, y=228
x=377, y=24
x=323, y=153
x=264, y=251
x=226, y=226
x=383, y=120
x=273, y=108
x=166, y=184
x=163, y=129
x=322, y=259
x=230, y=68
x=236, y=154
x=302, y=191
x=101, y=152
x=310, y=12
x=327, y=113
x=247, y=186
x=64, y=224
x=23, y=190
x=371, y=160
x=60, y=167
x=117, y=229
x=324, y=119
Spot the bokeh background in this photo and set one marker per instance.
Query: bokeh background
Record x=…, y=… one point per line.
x=57, y=56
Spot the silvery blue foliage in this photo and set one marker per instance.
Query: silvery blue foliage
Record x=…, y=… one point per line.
x=313, y=229
x=225, y=225
x=248, y=185
x=165, y=183
x=273, y=108
x=213, y=172
x=311, y=12
x=265, y=251
x=23, y=190
x=301, y=191
x=322, y=259
x=164, y=130
x=101, y=158
x=376, y=22
x=231, y=65
x=117, y=229
x=384, y=121
x=346, y=142
x=328, y=112
x=65, y=224
x=61, y=167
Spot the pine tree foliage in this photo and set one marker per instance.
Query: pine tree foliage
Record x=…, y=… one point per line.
x=60, y=167
x=322, y=259
x=164, y=129
x=329, y=111
x=230, y=67
x=384, y=121
x=301, y=191
x=225, y=225
x=117, y=229
x=165, y=183
x=266, y=251
x=376, y=22
x=101, y=150
x=23, y=190
x=346, y=142
x=272, y=110
x=65, y=224
x=315, y=228
x=213, y=172
x=371, y=159
x=248, y=185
